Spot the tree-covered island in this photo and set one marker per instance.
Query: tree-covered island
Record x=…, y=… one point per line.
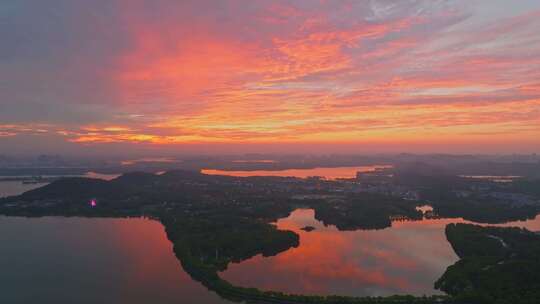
x=213, y=221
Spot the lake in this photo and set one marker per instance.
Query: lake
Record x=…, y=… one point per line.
x=82, y=260
x=9, y=188
x=92, y=260
x=404, y=259
x=96, y=260
x=328, y=173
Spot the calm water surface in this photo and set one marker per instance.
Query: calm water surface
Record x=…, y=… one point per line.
x=83, y=260
x=9, y=188
x=404, y=259
x=328, y=173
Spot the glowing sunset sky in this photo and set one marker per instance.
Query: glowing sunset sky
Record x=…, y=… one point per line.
x=255, y=75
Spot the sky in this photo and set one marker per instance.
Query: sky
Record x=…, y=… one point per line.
x=141, y=76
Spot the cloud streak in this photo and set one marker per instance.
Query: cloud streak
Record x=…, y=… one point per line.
x=270, y=72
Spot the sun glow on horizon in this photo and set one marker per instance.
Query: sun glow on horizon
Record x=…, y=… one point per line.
x=285, y=73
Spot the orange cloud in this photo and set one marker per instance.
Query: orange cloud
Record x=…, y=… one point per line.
x=326, y=72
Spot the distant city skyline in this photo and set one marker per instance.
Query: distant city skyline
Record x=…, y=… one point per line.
x=158, y=78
